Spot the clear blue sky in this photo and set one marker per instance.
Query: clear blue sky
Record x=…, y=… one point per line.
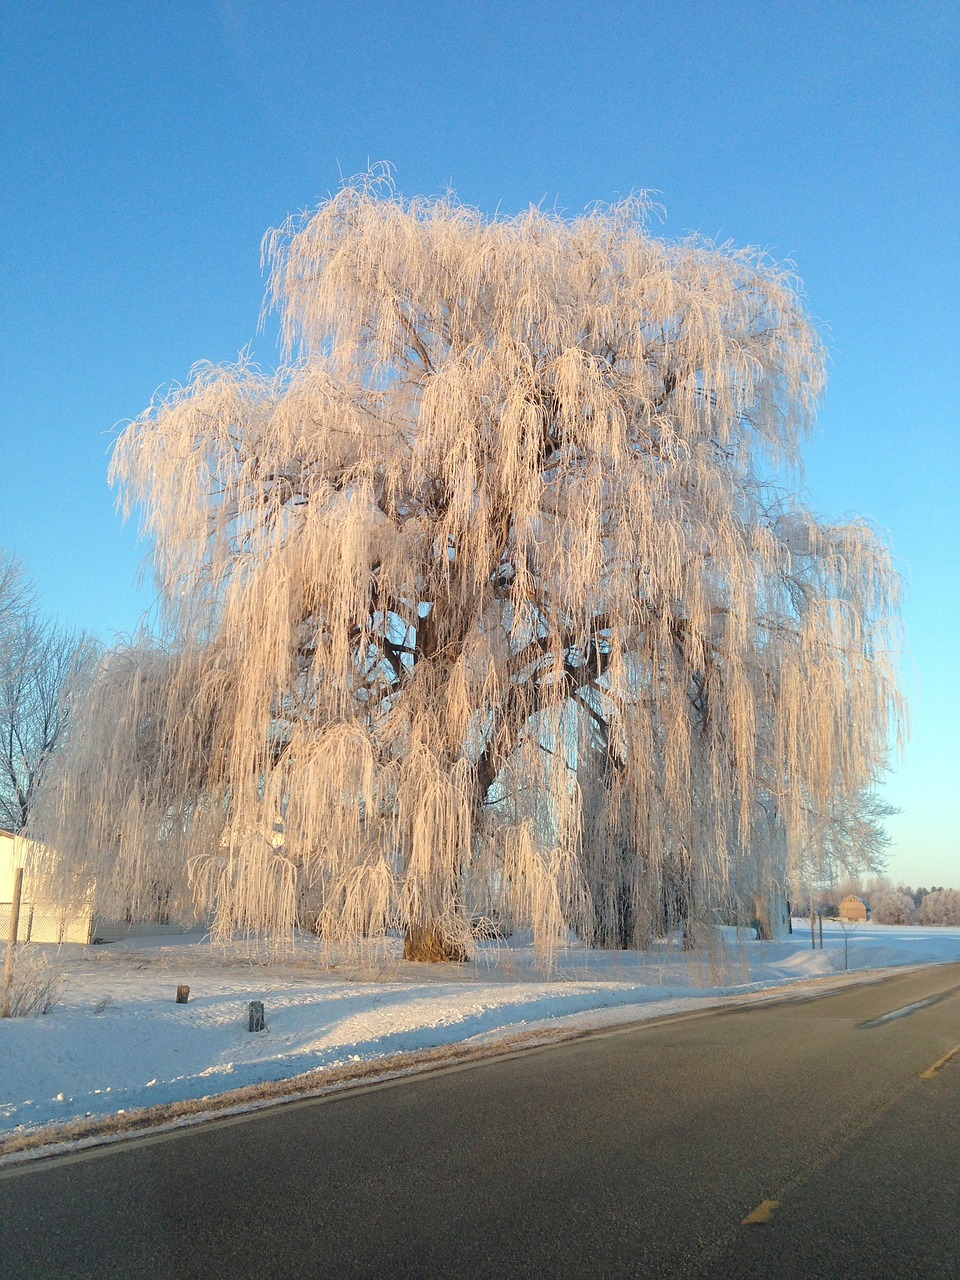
x=147, y=147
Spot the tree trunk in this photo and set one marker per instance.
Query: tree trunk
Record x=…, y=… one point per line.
x=762, y=921
x=432, y=945
x=690, y=934
x=618, y=934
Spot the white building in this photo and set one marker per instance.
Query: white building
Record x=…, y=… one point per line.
x=42, y=921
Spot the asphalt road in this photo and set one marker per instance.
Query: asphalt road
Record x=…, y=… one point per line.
x=632, y=1153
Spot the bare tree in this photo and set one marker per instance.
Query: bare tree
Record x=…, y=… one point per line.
x=496, y=593
x=15, y=594
x=40, y=665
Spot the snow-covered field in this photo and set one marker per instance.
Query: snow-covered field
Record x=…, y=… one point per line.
x=118, y=1041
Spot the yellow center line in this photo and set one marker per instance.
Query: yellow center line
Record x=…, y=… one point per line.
x=932, y=1071
x=762, y=1213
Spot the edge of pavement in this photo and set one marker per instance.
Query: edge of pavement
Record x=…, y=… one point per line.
x=21, y=1151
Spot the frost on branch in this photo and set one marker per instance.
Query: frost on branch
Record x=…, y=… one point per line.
x=491, y=600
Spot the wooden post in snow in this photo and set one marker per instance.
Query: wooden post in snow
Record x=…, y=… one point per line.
x=12, y=940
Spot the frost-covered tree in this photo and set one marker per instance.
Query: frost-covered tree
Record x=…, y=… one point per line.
x=846, y=840
x=495, y=597
x=940, y=906
x=851, y=836
x=889, y=903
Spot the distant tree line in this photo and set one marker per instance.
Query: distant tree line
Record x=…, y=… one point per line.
x=891, y=903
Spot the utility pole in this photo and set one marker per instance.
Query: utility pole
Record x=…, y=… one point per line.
x=12, y=940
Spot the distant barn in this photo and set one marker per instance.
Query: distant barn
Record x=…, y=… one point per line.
x=854, y=908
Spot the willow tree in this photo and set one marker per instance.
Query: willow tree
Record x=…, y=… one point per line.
x=495, y=596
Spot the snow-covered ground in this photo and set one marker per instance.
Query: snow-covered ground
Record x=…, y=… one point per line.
x=118, y=1041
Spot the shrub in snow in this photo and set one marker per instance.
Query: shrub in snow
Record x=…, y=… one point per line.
x=36, y=985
